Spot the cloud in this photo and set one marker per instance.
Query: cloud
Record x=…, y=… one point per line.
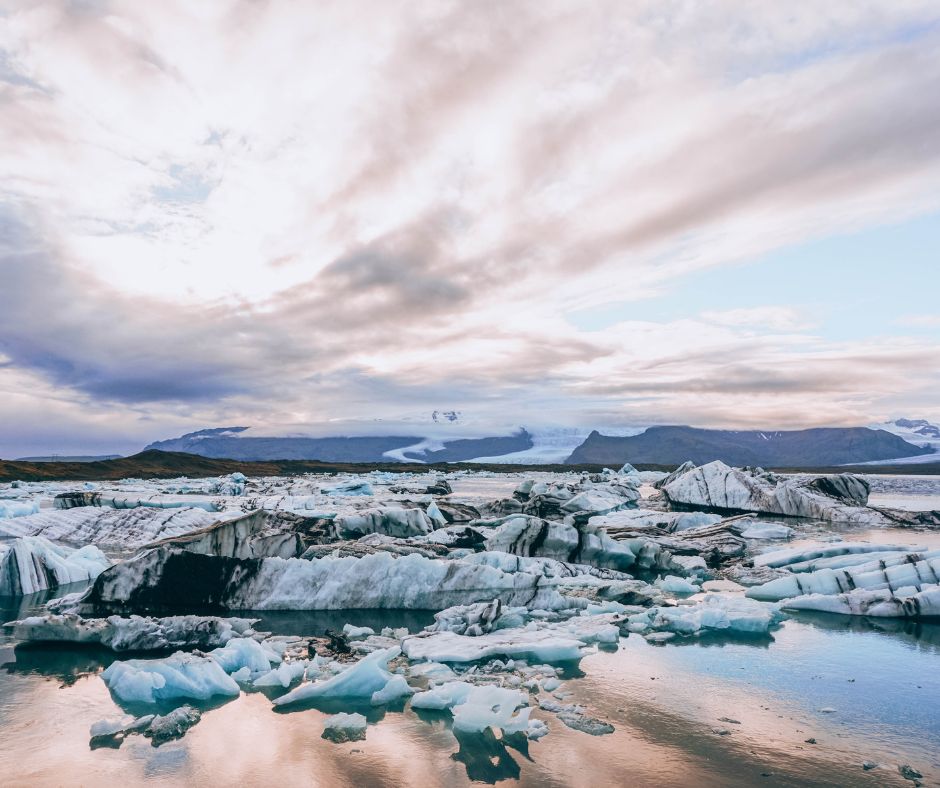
x=251, y=213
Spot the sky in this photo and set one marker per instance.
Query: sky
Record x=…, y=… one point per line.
x=579, y=213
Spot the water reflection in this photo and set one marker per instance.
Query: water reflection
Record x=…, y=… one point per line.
x=66, y=664
x=487, y=758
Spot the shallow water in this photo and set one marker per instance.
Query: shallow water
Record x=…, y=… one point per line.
x=664, y=701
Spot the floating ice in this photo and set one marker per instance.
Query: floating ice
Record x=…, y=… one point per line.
x=135, y=633
x=543, y=645
x=32, y=563
x=129, y=528
x=360, y=680
x=884, y=603
x=344, y=727
x=181, y=675
x=894, y=573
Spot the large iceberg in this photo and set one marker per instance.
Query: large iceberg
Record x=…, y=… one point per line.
x=164, y=578
x=911, y=571
x=843, y=498
x=135, y=633
x=531, y=536
x=127, y=529
x=881, y=603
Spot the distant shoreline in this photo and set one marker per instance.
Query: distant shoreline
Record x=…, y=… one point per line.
x=167, y=465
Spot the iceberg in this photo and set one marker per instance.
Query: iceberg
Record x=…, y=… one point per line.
x=531, y=536
x=32, y=563
x=882, y=603
x=360, y=680
x=71, y=500
x=390, y=522
x=126, y=529
x=181, y=675
x=131, y=634
x=162, y=577
x=344, y=727
x=542, y=644
x=843, y=498
x=903, y=571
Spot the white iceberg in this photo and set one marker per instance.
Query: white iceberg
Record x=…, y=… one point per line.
x=360, y=680
x=181, y=675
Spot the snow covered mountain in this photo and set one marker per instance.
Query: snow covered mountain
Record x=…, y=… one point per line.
x=918, y=432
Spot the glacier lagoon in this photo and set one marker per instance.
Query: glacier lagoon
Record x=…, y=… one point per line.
x=813, y=701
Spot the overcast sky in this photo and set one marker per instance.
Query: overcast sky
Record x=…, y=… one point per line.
x=592, y=213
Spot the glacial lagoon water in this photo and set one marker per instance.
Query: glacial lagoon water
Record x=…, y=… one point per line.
x=707, y=712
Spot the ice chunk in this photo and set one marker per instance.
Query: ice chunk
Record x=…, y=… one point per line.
x=400, y=523
x=904, y=570
x=10, y=509
x=241, y=653
x=357, y=633
x=180, y=675
x=32, y=563
x=127, y=528
x=543, y=645
x=344, y=727
x=367, y=676
x=173, y=725
x=767, y=531
x=395, y=689
x=525, y=535
x=882, y=603
x=352, y=487
x=676, y=585
x=801, y=555
x=716, y=612
x=284, y=674
x=135, y=633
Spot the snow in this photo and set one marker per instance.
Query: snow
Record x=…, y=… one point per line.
x=32, y=563
x=786, y=558
x=181, y=675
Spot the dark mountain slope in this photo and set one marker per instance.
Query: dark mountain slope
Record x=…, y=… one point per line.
x=792, y=449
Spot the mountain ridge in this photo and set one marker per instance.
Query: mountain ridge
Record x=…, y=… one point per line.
x=819, y=446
